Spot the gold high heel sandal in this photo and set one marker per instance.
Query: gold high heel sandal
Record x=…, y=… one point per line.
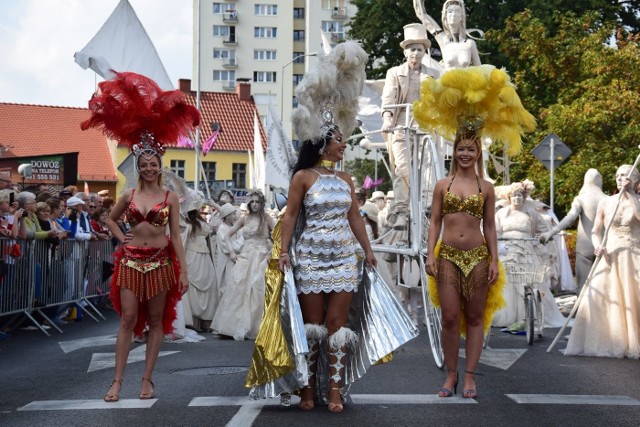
x=148, y=395
x=113, y=397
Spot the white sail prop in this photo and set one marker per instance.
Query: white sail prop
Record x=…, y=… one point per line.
x=122, y=44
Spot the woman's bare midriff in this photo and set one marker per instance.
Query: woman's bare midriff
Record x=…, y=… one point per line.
x=146, y=234
x=462, y=231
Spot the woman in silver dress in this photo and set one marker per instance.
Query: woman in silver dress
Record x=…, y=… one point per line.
x=325, y=271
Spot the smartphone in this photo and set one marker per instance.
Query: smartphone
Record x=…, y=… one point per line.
x=12, y=197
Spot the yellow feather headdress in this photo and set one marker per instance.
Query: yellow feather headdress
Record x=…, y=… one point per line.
x=481, y=97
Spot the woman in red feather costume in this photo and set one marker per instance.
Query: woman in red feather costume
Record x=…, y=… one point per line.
x=150, y=271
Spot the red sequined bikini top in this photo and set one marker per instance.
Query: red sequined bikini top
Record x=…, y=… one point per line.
x=158, y=216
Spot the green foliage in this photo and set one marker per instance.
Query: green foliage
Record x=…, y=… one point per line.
x=581, y=88
x=360, y=168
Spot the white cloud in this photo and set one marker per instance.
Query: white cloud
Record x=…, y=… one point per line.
x=39, y=39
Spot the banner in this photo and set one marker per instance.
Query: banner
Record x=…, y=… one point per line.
x=281, y=156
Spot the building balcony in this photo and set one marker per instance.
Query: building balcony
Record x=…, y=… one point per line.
x=339, y=13
x=229, y=86
x=230, y=63
x=230, y=17
x=231, y=40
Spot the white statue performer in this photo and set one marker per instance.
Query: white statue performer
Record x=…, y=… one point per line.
x=607, y=322
x=520, y=222
x=458, y=48
x=402, y=86
x=584, y=206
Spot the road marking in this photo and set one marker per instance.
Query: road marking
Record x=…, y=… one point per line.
x=501, y=358
x=108, y=360
x=69, y=346
x=573, y=399
x=406, y=399
x=65, y=405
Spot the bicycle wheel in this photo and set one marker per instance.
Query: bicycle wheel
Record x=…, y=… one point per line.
x=539, y=314
x=433, y=319
x=529, y=316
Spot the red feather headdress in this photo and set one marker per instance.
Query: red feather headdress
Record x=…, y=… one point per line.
x=133, y=109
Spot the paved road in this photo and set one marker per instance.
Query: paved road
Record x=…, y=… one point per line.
x=60, y=381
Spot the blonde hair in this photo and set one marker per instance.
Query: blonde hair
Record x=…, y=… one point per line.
x=467, y=137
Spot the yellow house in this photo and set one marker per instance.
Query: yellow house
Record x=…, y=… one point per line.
x=227, y=164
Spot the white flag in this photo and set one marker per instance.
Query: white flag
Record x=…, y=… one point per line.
x=252, y=175
x=122, y=44
x=258, y=156
x=281, y=156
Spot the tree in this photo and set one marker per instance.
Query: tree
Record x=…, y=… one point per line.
x=378, y=23
x=581, y=86
x=360, y=168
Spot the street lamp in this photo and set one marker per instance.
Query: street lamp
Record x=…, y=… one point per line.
x=282, y=80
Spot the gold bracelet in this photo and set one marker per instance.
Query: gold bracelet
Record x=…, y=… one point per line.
x=283, y=254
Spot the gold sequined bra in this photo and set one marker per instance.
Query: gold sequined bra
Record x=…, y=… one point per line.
x=472, y=205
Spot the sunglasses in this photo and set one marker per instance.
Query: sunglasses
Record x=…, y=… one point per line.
x=92, y=206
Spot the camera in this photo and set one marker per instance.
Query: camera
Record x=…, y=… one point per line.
x=74, y=214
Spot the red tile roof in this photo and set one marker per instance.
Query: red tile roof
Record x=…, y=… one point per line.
x=234, y=116
x=32, y=130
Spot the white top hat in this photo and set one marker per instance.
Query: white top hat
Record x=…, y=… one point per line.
x=415, y=33
x=390, y=195
x=377, y=195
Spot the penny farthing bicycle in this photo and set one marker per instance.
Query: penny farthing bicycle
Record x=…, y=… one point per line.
x=426, y=166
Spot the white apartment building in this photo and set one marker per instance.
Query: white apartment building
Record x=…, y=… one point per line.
x=268, y=42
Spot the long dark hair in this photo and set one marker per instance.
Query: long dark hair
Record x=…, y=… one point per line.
x=193, y=218
x=310, y=150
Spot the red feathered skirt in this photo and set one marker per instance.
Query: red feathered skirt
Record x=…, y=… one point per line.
x=146, y=272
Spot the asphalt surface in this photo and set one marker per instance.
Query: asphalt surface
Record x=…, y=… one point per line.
x=35, y=368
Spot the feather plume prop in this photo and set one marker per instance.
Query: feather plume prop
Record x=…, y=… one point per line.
x=132, y=107
x=334, y=84
x=481, y=99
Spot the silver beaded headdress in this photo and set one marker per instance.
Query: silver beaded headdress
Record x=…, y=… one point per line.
x=328, y=94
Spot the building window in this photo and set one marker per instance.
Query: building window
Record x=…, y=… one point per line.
x=333, y=4
x=265, y=32
x=297, y=78
x=225, y=76
x=335, y=28
x=239, y=175
x=264, y=55
x=298, y=57
x=266, y=9
x=177, y=167
x=209, y=169
x=224, y=53
x=298, y=35
x=221, y=30
x=298, y=13
x=264, y=76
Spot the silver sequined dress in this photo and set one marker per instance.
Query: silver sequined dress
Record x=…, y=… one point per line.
x=326, y=249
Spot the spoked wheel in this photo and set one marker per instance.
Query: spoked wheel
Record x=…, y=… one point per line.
x=429, y=173
x=539, y=314
x=529, y=317
x=433, y=319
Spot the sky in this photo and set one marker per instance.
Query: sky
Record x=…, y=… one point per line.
x=39, y=37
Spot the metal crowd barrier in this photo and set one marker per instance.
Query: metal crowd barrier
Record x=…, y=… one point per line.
x=39, y=280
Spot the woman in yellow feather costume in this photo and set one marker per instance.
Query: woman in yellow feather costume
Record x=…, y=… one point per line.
x=466, y=279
